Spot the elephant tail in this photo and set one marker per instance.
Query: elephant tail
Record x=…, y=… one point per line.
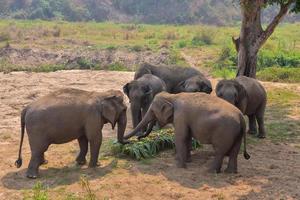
x=18, y=162
x=243, y=130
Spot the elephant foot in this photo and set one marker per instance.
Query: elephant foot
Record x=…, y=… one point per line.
x=81, y=161
x=213, y=171
x=189, y=159
x=31, y=174
x=230, y=171
x=44, y=162
x=261, y=136
x=180, y=164
x=252, y=132
x=94, y=165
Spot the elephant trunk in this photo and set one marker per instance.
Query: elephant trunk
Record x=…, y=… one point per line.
x=136, y=113
x=149, y=117
x=122, y=121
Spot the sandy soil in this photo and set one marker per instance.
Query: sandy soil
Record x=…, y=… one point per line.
x=273, y=172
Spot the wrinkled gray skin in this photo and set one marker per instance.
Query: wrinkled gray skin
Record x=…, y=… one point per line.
x=249, y=96
x=177, y=78
x=194, y=84
x=141, y=93
x=207, y=118
x=70, y=114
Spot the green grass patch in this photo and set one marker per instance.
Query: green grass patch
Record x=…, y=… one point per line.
x=280, y=74
x=39, y=192
x=148, y=147
x=117, y=67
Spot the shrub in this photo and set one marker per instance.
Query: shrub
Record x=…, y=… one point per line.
x=203, y=38
x=182, y=44
x=136, y=48
x=150, y=146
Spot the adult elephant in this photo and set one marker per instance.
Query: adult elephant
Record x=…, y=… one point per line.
x=141, y=93
x=194, y=115
x=70, y=114
x=249, y=96
x=177, y=79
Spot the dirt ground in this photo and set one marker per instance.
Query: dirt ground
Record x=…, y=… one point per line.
x=273, y=172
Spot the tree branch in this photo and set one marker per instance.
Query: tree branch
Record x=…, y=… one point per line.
x=284, y=8
x=236, y=43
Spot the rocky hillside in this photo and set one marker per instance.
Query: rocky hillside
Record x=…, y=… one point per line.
x=143, y=11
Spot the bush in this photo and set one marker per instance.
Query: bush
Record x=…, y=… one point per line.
x=203, y=38
x=279, y=74
x=268, y=58
x=150, y=146
x=182, y=44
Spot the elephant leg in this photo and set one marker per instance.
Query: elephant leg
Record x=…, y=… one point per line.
x=44, y=161
x=181, y=136
x=252, y=125
x=37, y=158
x=233, y=154
x=83, y=145
x=261, y=125
x=189, y=148
x=217, y=163
x=95, y=145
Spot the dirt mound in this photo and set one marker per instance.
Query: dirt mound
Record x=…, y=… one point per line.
x=30, y=58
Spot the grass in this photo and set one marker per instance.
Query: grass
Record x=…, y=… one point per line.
x=282, y=115
x=148, y=147
x=279, y=74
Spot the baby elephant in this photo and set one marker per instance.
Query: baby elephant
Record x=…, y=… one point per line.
x=194, y=84
x=249, y=96
x=141, y=93
x=195, y=116
x=70, y=114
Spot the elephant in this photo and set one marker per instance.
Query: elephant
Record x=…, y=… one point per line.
x=141, y=93
x=68, y=114
x=194, y=84
x=249, y=96
x=195, y=116
x=177, y=78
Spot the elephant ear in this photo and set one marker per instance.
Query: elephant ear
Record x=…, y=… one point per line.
x=109, y=110
x=126, y=89
x=180, y=87
x=167, y=110
x=218, y=87
x=242, y=97
x=147, y=90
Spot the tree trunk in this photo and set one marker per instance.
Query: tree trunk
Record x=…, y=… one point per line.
x=252, y=36
x=250, y=32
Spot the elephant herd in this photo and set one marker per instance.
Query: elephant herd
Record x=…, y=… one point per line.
x=158, y=95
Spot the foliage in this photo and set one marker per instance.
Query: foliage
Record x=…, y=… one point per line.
x=39, y=192
x=85, y=184
x=117, y=67
x=150, y=146
x=279, y=74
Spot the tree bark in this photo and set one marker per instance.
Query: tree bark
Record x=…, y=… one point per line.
x=252, y=36
x=250, y=31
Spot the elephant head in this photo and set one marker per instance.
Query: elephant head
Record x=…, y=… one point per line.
x=113, y=111
x=195, y=84
x=161, y=110
x=139, y=94
x=233, y=92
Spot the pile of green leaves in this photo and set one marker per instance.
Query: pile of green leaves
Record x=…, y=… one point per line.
x=150, y=146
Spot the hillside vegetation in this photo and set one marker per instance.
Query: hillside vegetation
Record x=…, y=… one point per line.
x=49, y=46
x=134, y=11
